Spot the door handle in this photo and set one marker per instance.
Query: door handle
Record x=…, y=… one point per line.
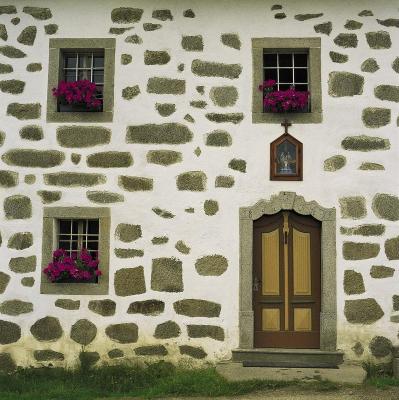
x=256, y=284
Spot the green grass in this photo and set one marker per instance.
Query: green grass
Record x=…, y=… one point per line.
x=157, y=380
x=383, y=382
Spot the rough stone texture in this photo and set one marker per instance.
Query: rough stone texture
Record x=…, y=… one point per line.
x=189, y=13
x=129, y=281
x=15, y=307
x=200, y=89
x=386, y=206
x=126, y=59
x=33, y=158
x=8, y=179
x=280, y=15
x=392, y=248
x=202, y=331
x=374, y=117
x=135, y=183
x=151, y=27
x=9, y=332
x=127, y=232
x=192, y=43
x=211, y=207
x=325, y=28
x=162, y=15
x=370, y=65
x=15, y=21
x=224, y=181
x=106, y=308
x=395, y=65
x=207, y=68
x=387, y=92
x=46, y=329
x=218, y=138
x=343, y=84
x=234, y=118
x=167, y=275
x=360, y=251
x=83, y=332
x=3, y=32
x=231, y=40
x=358, y=349
x=23, y=265
x=346, y=40
x=67, y=304
x=305, y=17
x=4, y=280
x=20, y=241
x=130, y=92
x=197, y=308
x=126, y=15
x=189, y=118
x=334, y=163
x=169, y=133
x=161, y=85
x=75, y=136
x=115, y=353
x=128, y=253
x=30, y=179
x=224, y=96
x=13, y=86
x=6, y=68
x=8, y=10
x=369, y=166
x=24, y=111
x=163, y=213
x=353, y=282
x=389, y=22
x=28, y=281
x=2, y=138
x=213, y=265
x=34, y=67
x=194, y=181
x=365, y=143
x=181, y=247
x=147, y=307
x=380, y=346
x=352, y=25
x=167, y=330
x=194, y=352
x=50, y=29
x=366, y=13
x=379, y=40
x=238, y=165
x=364, y=230
x=154, y=350
x=48, y=355
x=38, y=12
x=27, y=36
x=362, y=311
x=198, y=103
x=17, y=207
x=31, y=132
x=353, y=207
x=338, y=57
x=119, y=31
x=104, y=197
x=7, y=364
x=395, y=302
x=74, y=179
x=381, y=272
x=165, y=109
x=110, y=159
x=88, y=358
x=11, y=52
x=122, y=333
x=156, y=240
x=48, y=197
x=164, y=157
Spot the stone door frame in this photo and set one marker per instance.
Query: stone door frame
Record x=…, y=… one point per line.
x=327, y=217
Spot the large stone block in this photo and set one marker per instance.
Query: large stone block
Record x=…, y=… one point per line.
x=213, y=265
x=83, y=332
x=51, y=29
x=47, y=329
x=146, y=307
x=122, y=333
x=197, y=308
x=134, y=39
x=127, y=232
x=28, y=281
x=334, y=163
x=4, y=281
x=31, y=132
x=156, y=57
x=167, y=330
x=24, y=111
x=110, y=159
x=6, y=68
x=238, y=164
x=364, y=230
x=195, y=352
x=224, y=181
x=162, y=15
x=379, y=40
x=27, y=36
x=164, y=157
x=375, y=117
x=11, y=52
x=77, y=136
x=135, y=183
x=74, y=179
x=386, y=206
x=67, y=304
x=380, y=346
x=360, y=251
x=392, y=248
x=218, y=138
x=12, y=86
x=8, y=10
x=338, y=57
x=234, y=118
x=103, y=197
x=192, y=43
x=346, y=40
x=154, y=350
x=325, y=28
x=126, y=15
x=215, y=69
x=106, y=307
x=169, y=133
x=15, y=307
x=370, y=65
x=381, y=272
x=9, y=332
x=353, y=25
x=353, y=282
x=231, y=40
x=17, y=207
x=149, y=27
x=353, y=207
x=211, y=207
x=39, y=13
x=343, y=84
x=23, y=265
x=49, y=197
x=194, y=181
x=387, y=92
x=129, y=281
x=33, y=158
x=130, y=92
x=161, y=85
x=8, y=179
x=202, y=331
x=389, y=22
x=224, y=96
x=365, y=143
x=34, y=67
x=128, y=253
x=362, y=311
x=167, y=275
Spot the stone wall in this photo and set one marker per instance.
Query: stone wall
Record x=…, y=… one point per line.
x=179, y=159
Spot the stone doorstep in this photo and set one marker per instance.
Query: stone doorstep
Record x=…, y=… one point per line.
x=346, y=373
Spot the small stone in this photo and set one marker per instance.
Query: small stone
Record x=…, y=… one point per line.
x=147, y=307
x=395, y=302
x=234, y=118
x=8, y=179
x=48, y=197
x=4, y=281
x=360, y=251
x=363, y=311
x=50, y=29
x=364, y=230
x=218, y=138
x=31, y=132
x=155, y=350
x=224, y=96
x=195, y=352
x=365, y=13
x=189, y=118
x=11, y=52
x=24, y=111
x=38, y=12
x=203, y=331
x=334, y=163
x=200, y=89
x=352, y=25
x=353, y=282
x=7, y=364
x=163, y=213
x=280, y=15
x=380, y=346
x=83, y=332
x=392, y=248
x=106, y=308
x=346, y=40
x=189, y=13
x=167, y=330
x=206, y=68
x=374, y=117
x=224, y=181
x=122, y=333
x=194, y=181
x=2, y=138
x=28, y=36
x=343, y=84
x=48, y=355
x=192, y=43
x=164, y=157
x=15, y=307
x=161, y=85
x=389, y=22
x=369, y=166
x=197, y=151
x=3, y=32
x=353, y=207
x=119, y=31
x=387, y=92
x=34, y=67
x=12, y=86
x=181, y=247
x=156, y=240
x=130, y=92
x=47, y=329
x=379, y=40
x=115, y=353
x=15, y=21
x=276, y=7
x=365, y=143
x=198, y=103
x=162, y=15
x=381, y=272
x=211, y=207
x=9, y=332
x=197, y=308
x=386, y=206
x=67, y=304
x=20, y=241
x=325, y=27
x=135, y=183
x=110, y=159
x=305, y=17
x=238, y=165
x=6, y=68
x=30, y=179
x=23, y=265
x=166, y=275
x=28, y=281
x=17, y=207
x=134, y=39
x=213, y=265
x=165, y=109
x=231, y=40
x=104, y=197
x=168, y=133
x=358, y=349
x=370, y=65
x=128, y=233
x=395, y=65
x=126, y=15
x=180, y=67
x=129, y=281
x=151, y=27
x=338, y=57
x=156, y=57
x=126, y=59
x=128, y=253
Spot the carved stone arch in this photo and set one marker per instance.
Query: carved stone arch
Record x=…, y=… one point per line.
x=327, y=217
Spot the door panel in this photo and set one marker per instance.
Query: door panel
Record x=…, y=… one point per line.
x=286, y=289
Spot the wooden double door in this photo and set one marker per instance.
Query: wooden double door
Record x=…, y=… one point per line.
x=286, y=281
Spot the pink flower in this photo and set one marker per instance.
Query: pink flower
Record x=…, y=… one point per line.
x=77, y=92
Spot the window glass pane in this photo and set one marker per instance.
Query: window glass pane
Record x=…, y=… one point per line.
x=301, y=88
x=285, y=60
x=269, y=60
x=301, y=75
x=285, y=75
x=93, y=226
x=63, y=245
x=98, y=76
x=99, y=91
x=70, y=76
x=284, y=86
x=270, y=74
x=64, y=226
x=301, y=60
x=75, y=226
x=84, y=60
x=84, y=74
x=98, y=62
x=70, y=61
x=92, y=246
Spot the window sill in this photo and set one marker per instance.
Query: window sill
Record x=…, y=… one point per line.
x=74, y=288
x=104, y=116
x=277, y=118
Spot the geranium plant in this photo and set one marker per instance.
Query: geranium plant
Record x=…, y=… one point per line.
x=78, y=93
x=282, y=100
x=78, y=267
